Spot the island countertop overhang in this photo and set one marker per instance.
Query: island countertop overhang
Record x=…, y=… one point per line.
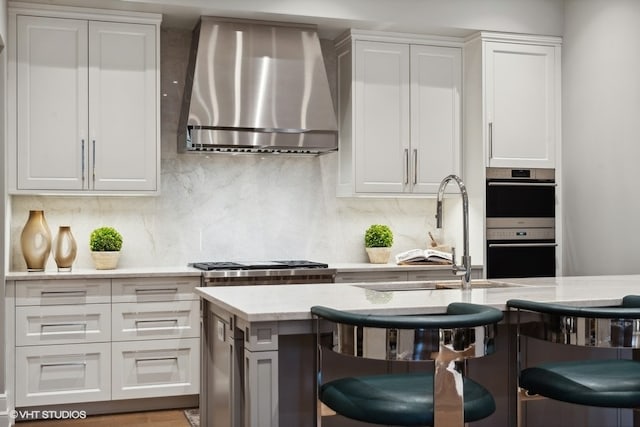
x=292, y=302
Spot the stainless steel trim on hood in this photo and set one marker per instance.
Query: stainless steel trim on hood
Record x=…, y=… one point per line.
x=256, y=86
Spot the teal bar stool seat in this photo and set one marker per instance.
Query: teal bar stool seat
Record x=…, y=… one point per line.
x=612, y=383
x=442, y=396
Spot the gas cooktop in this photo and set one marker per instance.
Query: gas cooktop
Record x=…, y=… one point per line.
x=257, y=265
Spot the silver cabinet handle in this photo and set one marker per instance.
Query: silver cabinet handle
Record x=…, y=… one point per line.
x=406, y=166
x=522, y=184
x=490, y=139
x=94, y=163
x=78, y=293
x=522, y=245
x=173, y=321
x=83, y=326
x=157, y=359
x=415, y=166
x=83, y=177
x=55, y=365
x=157, y=291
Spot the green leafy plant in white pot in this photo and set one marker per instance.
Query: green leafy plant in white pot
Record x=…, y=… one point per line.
x=378, y=240
x=105, y=244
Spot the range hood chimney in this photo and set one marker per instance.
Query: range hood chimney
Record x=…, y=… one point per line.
x=256, y=87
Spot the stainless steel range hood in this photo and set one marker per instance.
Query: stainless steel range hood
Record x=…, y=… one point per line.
x=254, y=86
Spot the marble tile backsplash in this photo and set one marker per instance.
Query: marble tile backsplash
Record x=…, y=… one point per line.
x=227, y=207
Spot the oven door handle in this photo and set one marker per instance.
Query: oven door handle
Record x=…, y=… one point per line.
x=522, y=245
x=521, y=184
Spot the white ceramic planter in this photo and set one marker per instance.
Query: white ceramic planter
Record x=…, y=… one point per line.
x=378, y=255
x=105, y=260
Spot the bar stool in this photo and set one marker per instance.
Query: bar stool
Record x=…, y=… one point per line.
x=438, y=397
x=612, y=383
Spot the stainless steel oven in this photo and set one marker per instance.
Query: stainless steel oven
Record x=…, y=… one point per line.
x=520, y=223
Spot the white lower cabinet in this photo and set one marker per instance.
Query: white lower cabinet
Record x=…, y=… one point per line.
x=63, y=324
x=154, y=289
x=155, y=334
x=65, y=291
x=155, y=320
x=79, y=340
x=155, y=368
x=62, y=337
x=56, y=374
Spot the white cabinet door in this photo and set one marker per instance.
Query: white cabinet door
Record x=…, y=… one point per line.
x=57, y=374
x=63, y=291
x=155, y=320
x=123, y=94
x=154, y=289
x=155, y=368
x=436, y=84
x=520, y=104
x=63, y=324
x=381, y=117
x=51, y=102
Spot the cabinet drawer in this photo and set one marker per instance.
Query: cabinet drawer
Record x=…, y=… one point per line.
x=155, y=368
x=153, y=320
x=54, y=292
x=62, y=374
x=371, y=276
x=63, y=324
x=155, y=289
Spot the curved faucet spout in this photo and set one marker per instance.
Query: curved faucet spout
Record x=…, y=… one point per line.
x=465, y=268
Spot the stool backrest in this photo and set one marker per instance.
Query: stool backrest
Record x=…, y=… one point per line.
x=614, y=327
x=465, y=331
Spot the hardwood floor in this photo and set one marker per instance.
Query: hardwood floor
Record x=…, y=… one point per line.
x=170, y=418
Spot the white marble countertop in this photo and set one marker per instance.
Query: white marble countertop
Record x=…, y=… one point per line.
x=190, y=271
x=101, y=274
x=292, y=302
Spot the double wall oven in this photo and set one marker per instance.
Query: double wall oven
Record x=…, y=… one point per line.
x=520, y=223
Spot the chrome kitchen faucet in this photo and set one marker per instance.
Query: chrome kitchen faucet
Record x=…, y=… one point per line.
x=466, y=259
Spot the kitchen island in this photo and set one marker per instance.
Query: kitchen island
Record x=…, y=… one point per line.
x=257, y=364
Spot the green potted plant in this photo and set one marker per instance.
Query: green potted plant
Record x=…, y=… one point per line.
x=105, y=244
x=378, y=240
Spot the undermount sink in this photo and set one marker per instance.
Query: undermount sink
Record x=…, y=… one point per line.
x=477, y=284
x=433, y=285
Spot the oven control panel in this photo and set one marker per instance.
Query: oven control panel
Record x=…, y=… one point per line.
x=521, y=234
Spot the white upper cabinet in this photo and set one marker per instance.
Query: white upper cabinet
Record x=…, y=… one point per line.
x=52, y=103
x=381, y=116
x=436, y=89
x=86, y=91
x=123, y=96
x=522, y=101
x=399, y=114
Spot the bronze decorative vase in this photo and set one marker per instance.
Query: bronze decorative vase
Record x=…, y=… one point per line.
x=65, y=248
x=35, y=241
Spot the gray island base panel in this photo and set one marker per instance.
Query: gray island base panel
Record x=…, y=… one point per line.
x=258, y=348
